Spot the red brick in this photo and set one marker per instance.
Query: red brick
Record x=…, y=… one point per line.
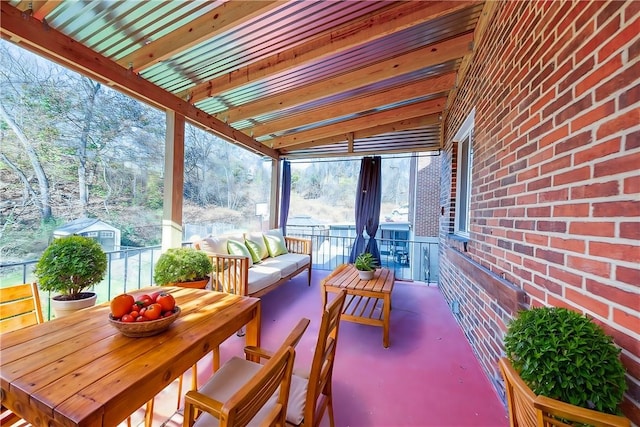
x=556, y=164
x=534, y=265
x=630, y=230
x=598, y=151
x=628, y=253
x=573, y=245
x=599, y=74
x=618, y=82
x=549, y=285
x=598, y=38
x=551, y=256
x=625, y=163
x=553, y=195
x=602, y=229
x=589, y=265
x=619, y=123
x=590, y=304
x=577, y=73
x=574, y=175
x=564, y=276
x=617, y=208
x=628, y=33
x=628, y=275
x=604, y=189
x=538, y=184
x=544, y=100
x=581, y=140
x=611, y=292
x=574, y=210
x=557, y=135
x=593, y=115
x=628, y=320
x=632, y=185
x=630, y=97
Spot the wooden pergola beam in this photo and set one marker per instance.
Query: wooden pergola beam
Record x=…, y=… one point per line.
x=389, y=96
x=408, y=124
x=222, y=18
x=434, y=54
x=412, y=110
x=366, y=29
x=47, y=42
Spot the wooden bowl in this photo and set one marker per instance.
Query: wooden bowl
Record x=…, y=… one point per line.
x=145, y=329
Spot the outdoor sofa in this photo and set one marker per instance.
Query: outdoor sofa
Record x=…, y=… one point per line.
x=253, y=264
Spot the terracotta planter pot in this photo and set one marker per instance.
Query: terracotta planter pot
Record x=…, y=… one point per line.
x=63, y=308
x=198, y=284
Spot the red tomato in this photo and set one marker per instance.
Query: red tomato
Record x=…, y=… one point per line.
x=128, y=318
x=167, y=313
x=153, y=312
x=155, y=295
x=145, y=300
x=167, y=301
x=134, y=314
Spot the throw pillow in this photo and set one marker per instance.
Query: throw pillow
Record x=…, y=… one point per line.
x=257, y=246
x=217, y=245
x=238, y=248
x=276, y=244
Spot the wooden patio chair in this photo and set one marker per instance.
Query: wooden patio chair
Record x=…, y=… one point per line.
x=554, y=413
x=19, y=307
x=233, y=396
x=310, y=394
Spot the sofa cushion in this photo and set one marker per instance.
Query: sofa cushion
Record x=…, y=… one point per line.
x=257, y=246
x=214, y=244
x=259, y=277
x=238, y=248
x=276, y=244
x=300, y=260
x=285, y=266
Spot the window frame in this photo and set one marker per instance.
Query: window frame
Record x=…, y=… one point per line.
x=464, y=169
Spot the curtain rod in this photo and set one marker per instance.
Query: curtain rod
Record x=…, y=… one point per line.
x=357, y=159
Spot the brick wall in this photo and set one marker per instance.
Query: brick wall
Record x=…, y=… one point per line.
x=555, y=203
x=427, y=196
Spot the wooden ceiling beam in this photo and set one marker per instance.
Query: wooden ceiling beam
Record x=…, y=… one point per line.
x=371, y=27
x=389, y=116
x=221, y=19
x=434, y=54
x=408, y=124
x=421, y=88
x=37, y=36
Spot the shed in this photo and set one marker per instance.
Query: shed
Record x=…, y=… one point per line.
x=107, y=235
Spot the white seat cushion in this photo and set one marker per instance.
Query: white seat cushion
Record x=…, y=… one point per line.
x=259, y=278
x=228, y=380
x=301, y=260
x=286, y=267
x=234, y=374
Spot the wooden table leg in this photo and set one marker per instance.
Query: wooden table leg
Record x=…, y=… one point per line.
x=252, y=336
x=386, y=319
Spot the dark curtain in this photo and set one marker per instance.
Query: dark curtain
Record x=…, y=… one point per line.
x=368, y=198
x=286, y=195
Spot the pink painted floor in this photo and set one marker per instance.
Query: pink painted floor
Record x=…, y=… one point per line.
x=428, y=376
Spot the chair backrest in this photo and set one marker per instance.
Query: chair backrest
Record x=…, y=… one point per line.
x=520, y=397
x=554, y=413
x=319, y=387
x=19, y=307
x=256, y=394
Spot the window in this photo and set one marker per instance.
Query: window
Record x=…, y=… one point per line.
x=464, y=139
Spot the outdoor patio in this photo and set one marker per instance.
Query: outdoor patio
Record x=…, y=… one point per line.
x=429, y=376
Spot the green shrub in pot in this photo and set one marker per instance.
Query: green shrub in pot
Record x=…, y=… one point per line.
x=71, y=265
x=180, y=265
x=564, y=355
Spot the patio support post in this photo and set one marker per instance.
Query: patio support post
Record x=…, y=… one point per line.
x=173, y=181
x=274, y=202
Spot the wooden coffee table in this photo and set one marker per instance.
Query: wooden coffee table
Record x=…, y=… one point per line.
x=368, y=301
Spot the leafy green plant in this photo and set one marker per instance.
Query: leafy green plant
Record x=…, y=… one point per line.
x=563, y=355
x=181, y=265
x=70, y=265
x=365, y=262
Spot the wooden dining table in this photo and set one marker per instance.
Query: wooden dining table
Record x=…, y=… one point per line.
x=79, y=370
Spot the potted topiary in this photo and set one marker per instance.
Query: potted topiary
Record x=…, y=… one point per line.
x=186, y=267
x=366, y=265
x=563, y=355
x=69, y=266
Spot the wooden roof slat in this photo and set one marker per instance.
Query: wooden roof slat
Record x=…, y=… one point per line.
x=221, y=19
x=391, y=20
x=389, y=96
x=434, y=54
x=412, y=110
